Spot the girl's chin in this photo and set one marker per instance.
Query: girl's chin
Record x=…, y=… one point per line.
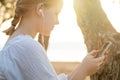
x=47, y=34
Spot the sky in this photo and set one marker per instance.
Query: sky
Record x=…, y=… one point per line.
x=66, y=42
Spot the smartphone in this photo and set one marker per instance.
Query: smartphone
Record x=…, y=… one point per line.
x=105, y=47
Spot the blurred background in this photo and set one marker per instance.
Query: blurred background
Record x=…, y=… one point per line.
x=65, y=47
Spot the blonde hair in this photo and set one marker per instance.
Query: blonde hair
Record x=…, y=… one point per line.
x=22, y=7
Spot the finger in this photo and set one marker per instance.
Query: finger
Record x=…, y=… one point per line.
x=105, y=57
x=100, y=63
x=100, y=59
x=94, y=52
x=106, y=53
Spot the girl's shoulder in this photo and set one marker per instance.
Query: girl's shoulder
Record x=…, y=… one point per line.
x=22, y=45
x=22, y=42
x=20, y=39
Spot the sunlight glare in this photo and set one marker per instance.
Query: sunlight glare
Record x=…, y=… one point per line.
x=113, y=12
x=66, y=42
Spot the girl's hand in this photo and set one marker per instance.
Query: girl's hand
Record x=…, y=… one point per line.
x=91, y=64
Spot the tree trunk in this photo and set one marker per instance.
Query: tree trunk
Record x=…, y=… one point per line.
x=97, y=29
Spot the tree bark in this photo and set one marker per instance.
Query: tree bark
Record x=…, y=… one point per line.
x=97, y=29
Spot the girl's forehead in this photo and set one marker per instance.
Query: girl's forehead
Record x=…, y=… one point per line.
x=56, y=8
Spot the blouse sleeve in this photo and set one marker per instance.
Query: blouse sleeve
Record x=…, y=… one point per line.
x=2, y=77
x=28, y=61
x=62, y=77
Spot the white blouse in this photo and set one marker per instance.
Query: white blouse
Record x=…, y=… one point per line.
x=23, y=58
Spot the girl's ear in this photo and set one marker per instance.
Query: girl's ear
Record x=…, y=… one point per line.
x=38, y=8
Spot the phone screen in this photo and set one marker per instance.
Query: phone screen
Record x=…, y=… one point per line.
x=105, y=47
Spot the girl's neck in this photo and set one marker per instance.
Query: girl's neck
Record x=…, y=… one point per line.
x=21, y=30
x=27, y=26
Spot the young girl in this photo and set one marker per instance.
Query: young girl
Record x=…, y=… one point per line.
x=23, y=58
